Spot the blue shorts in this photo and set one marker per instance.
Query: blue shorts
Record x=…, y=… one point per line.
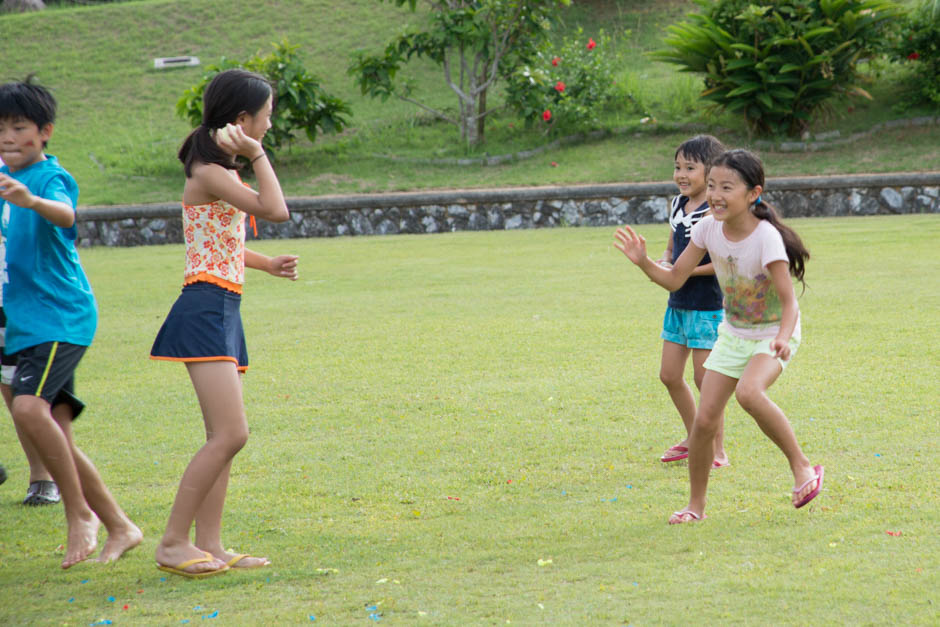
x=692, y=328
x=205, y=324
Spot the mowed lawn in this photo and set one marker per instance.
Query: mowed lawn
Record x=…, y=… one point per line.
x=465, y=429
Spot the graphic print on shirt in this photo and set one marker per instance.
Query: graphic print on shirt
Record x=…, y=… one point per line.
x=748, y=301
x=678, y=217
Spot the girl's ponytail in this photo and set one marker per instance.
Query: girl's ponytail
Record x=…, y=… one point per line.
x=751, y=170
x=200, y=146
x=797, y=252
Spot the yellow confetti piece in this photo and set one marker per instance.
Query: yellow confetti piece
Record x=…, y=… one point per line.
x=542, y=562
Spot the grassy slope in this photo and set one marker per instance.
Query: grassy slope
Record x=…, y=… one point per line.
x=517, y=372
x=118, y=132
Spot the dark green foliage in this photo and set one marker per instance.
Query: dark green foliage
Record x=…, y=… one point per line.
x=779, y=63
x=301, y=102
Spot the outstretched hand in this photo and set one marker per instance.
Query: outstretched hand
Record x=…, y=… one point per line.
x=284, y=266
x=631, y=244
x=15, y=192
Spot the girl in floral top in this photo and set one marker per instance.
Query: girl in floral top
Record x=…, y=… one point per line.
x=753, y=254
x=204, y=328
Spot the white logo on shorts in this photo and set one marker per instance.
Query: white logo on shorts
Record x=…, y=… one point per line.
x=26, y=377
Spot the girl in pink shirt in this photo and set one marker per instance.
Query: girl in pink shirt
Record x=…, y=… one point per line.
x=753, y=254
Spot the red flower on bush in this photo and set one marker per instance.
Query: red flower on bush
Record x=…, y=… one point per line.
x=556, y=61
x=559, y=87
x=913, y=56
x=546, y=115
x=591, y=44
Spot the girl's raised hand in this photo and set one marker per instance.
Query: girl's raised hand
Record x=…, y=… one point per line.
x=631, y=244
x=232, y=138
x=284, y=266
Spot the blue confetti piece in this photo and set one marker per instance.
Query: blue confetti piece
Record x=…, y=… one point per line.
x=877, y=454
x=197, y=608
x=212, y=615
x=371, y=608
x=613, y=499
x=162, y=578
x=72, y=600
x=110, y=599
x=563, y=493
x=85, y=580
x=184, y=621
x=312, y=618
x=629, y=486
x=375, y=617
x=635, y=583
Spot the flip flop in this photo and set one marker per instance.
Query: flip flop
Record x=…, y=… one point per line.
x=180, y=568
x=679, y=516
x=809, y=497
x=682, y=450
x=42, y=492
x=235, y=560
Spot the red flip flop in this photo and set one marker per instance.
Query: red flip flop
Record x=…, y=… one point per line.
x=809, y=497
x=682, y=450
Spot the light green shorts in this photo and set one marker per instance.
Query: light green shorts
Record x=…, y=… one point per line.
x=731, y=354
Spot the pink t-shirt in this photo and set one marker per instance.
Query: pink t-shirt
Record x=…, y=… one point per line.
x=752, y=307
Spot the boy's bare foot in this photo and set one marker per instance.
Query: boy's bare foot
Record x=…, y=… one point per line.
x=82, y=541
x=174, y=556
x=120, y=541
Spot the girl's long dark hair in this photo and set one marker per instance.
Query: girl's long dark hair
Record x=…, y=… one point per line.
x=228, y=94
x=751, y=170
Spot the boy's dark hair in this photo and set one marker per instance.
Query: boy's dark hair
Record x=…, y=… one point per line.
x=27, y=100
x=227, y=95
x=701, y=148
x=751, y=170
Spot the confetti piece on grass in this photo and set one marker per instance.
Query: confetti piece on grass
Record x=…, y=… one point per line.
x=453, y=498
x=110, y=599
x=542, y=562
x=212, y=615
x=893, y=533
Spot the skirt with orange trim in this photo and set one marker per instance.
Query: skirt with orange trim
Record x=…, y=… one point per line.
x=204, y=324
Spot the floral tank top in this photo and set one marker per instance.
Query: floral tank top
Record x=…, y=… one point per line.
x=215, y=245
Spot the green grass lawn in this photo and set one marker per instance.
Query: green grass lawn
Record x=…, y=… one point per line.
x=465, y=429
x=118, y=133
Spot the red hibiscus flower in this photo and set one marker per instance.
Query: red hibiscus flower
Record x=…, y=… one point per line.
x=591, y=44
x=559, y=87
x=913, y=56
x=556, y=61
x=546, y=115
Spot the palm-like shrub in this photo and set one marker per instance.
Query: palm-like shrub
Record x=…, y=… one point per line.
x=779, y=63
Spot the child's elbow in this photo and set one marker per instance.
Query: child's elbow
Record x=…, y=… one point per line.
x=281, y=215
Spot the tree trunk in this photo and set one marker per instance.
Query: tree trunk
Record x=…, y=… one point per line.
x=20, y=6
x=481, y=122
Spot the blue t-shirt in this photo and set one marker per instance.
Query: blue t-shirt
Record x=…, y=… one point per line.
x=46, y=295
x=699, y=293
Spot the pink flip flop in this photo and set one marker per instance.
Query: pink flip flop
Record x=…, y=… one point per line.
x=809, y=497
x=683, y=453
x=680, y=517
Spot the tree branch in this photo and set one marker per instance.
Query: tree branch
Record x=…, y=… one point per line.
x=429, y=109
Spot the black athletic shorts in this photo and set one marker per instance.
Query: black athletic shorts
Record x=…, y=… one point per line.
x=48, y=371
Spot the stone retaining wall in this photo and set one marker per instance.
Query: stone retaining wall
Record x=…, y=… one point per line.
x=518, y=208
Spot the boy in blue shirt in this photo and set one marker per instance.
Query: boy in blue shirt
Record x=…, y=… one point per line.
x=51, y=317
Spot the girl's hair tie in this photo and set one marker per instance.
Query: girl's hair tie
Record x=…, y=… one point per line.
x=758, y=201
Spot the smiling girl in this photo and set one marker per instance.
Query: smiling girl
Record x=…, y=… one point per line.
x=753, y=254
x=204, y=328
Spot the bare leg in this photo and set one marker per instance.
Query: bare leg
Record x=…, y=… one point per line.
x=34, y=418
x=698, y=364
x=716, y=390
x=37, y=472
x=219, y=391
x=751, y=393
x=123, y=535
x=672, y=374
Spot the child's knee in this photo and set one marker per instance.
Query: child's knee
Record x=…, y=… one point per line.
x=231, y=440
x=748, y=395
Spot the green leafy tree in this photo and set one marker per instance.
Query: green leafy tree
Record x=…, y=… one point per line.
x=918, y=44
x=778, y=63
x=302, y=104
x=475, y=42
